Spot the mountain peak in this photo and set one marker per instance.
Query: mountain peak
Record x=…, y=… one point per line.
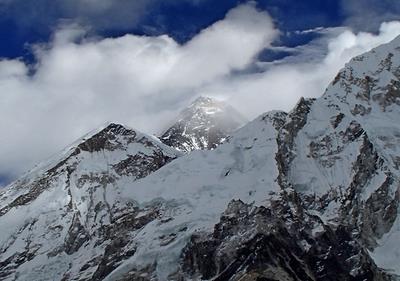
x=109, y=138
x=204, y=124
x=105, y=137
x=203, y=100
x=209, y=106
x=116, y=127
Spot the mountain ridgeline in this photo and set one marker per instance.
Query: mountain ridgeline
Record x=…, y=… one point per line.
x=312, y=194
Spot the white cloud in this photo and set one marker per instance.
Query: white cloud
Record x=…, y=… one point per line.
x=284, y=82
x=141, y=81
x=144, y=81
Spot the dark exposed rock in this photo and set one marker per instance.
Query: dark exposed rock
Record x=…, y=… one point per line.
x=144, y=274
x=295, y=121
x=114, y=253
x=76, y=237
x=141, y=165
x=389, y=96
x=337, y=120
x=260, y=244
x=360, y=110
x=108, y=138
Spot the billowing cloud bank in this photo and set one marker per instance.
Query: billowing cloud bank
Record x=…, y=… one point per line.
x=283, y=83
x=79, y=83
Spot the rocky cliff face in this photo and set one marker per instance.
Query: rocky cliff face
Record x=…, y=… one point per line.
x=258, y=243
x=312, y=194
x=205, y=124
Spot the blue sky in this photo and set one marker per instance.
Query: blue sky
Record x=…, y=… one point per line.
x=26, y=22
x=67, y=66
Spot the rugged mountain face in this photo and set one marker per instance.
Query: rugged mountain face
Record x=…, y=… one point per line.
x=258, y=243
x=345, y=164
x=203, y=125
x=312, y=194
x=61, y=220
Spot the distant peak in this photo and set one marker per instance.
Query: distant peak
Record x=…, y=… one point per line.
x=204, y=101
x=205, y=105
x=204, y=124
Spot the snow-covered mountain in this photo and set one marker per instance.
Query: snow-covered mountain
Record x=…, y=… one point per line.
x=63, y=216
x=312, y=194
x=204, y=124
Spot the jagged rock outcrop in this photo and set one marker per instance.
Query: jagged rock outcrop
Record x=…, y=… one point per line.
x=258, y=243
x=204, y=124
